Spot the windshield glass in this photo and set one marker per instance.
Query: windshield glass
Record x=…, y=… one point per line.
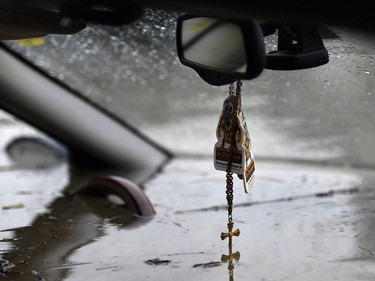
x=320, y=114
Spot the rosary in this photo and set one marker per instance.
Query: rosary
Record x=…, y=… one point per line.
x=233, y=150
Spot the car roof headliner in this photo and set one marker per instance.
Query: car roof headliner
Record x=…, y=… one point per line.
x=333, y=12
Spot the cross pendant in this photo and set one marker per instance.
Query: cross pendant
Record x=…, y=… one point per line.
x=230, y=232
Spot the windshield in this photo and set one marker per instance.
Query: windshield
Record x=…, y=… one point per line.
x=320, y=114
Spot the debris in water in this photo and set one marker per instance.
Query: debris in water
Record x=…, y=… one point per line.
x=5, y=266
x=325, y=194
x=334, y=192
x=209, y=264
x=13, y=206
x=24, y=192
x=157, y=261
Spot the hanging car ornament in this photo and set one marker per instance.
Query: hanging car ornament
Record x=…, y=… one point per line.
x=232, y=151
x=233, y=146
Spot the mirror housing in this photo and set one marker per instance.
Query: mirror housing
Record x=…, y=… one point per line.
x=299, y=47
x=221, y=51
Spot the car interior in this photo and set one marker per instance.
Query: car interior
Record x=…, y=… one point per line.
x=108, y=131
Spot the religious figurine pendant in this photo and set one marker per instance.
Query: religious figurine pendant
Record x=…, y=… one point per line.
x=233, y=151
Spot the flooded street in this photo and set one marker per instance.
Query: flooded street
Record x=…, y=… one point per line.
x=299, y=220
x=309, y=216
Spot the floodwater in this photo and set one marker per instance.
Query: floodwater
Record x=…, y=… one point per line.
x=301, y=220
x=309, y=216
x=298, y=222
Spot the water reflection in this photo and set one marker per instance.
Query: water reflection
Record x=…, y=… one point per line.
x=42, y=250
x=230, y=258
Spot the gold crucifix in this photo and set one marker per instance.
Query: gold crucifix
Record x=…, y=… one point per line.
x=230, y=232
x=231, y=256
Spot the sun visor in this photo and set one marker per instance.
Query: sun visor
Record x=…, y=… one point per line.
x=18, y=22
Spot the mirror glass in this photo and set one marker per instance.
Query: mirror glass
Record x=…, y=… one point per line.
x=214, y=43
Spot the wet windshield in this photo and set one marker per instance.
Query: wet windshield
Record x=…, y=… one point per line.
x=302, y=218
x=324, y=113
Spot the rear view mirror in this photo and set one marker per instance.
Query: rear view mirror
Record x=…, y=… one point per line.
x=221, y=51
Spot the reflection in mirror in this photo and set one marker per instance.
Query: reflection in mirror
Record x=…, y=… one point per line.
x=214, y=43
